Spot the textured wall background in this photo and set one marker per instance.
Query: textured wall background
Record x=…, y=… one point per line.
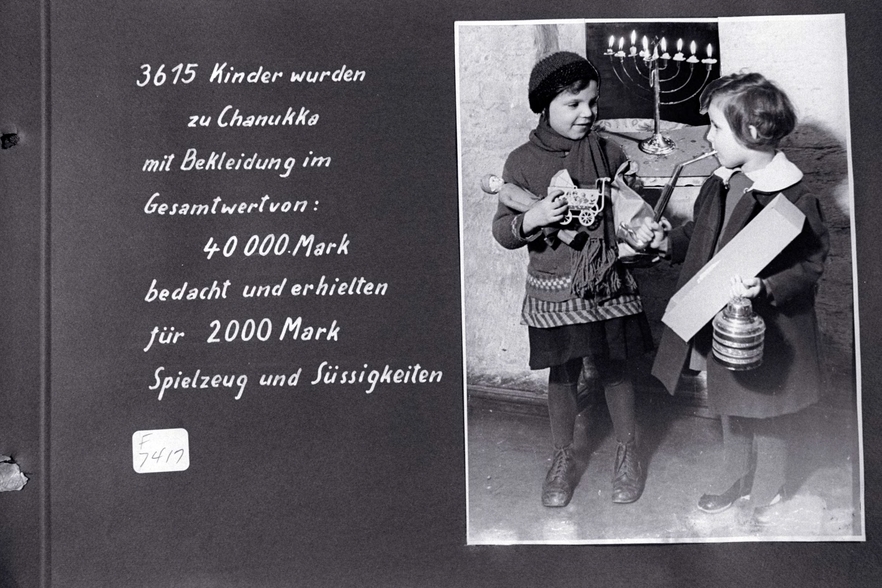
x=494, y=69
x=805, y=55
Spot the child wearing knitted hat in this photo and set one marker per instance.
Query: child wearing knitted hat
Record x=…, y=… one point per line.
x=580, y=301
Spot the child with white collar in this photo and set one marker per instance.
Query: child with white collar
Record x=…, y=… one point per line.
x=749, y=116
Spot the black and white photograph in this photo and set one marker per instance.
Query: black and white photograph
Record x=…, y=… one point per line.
x=427, y=294
x=659, y=281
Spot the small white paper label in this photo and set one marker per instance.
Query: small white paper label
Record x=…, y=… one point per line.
x=160, y=450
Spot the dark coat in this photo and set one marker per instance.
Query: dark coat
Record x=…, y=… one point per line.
x=789, y=378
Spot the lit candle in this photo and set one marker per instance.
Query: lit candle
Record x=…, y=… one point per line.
x=621, y=51
x=710, y=52
x=692, y=58
x=664, y=48
x=679, y=55
x=633, y=41
x=612, y=41
x=645, y=52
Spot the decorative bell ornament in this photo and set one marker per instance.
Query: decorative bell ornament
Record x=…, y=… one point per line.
x=738, y=336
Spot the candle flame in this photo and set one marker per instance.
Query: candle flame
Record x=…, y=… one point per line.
x=692, y=47
x=621, y=43
x=710, y=50
x=645, y=43
x=612, y=39
x=679, y=44
x=633, y=37
x=664, y=45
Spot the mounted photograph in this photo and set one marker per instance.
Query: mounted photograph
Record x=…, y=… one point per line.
x=659, y=284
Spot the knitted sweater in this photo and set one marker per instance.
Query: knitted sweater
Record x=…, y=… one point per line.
x=551, y=263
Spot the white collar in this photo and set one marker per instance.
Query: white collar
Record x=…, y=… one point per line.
x=779, y=174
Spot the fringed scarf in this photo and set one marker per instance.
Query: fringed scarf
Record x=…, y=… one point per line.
x=594, y=270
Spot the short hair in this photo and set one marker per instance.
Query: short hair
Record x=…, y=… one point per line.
x=747, y=100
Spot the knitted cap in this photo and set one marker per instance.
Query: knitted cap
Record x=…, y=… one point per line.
x=554, y=72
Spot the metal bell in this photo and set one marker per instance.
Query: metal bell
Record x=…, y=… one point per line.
x=738, y=336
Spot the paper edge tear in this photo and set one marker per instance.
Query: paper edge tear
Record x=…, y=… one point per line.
x=11, y=477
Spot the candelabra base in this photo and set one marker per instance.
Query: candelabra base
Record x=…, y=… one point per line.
x=657, y=145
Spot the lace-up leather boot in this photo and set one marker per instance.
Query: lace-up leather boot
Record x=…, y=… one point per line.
x=561, y=478
x=628, y=474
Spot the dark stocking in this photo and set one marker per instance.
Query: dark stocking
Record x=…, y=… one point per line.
x=771, y=459
x=619, y=394
x=737, y=451
x=562, y=382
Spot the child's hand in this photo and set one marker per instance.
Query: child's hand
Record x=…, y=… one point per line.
x=746, y=288
x=548, y=211
x=653, y=234
x=636, y=238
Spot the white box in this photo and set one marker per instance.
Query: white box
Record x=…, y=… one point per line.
x=751, y=250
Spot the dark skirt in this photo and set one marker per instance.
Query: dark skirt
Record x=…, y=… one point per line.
x=608, y=340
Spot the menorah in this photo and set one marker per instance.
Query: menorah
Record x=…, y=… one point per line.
x=655, y=69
